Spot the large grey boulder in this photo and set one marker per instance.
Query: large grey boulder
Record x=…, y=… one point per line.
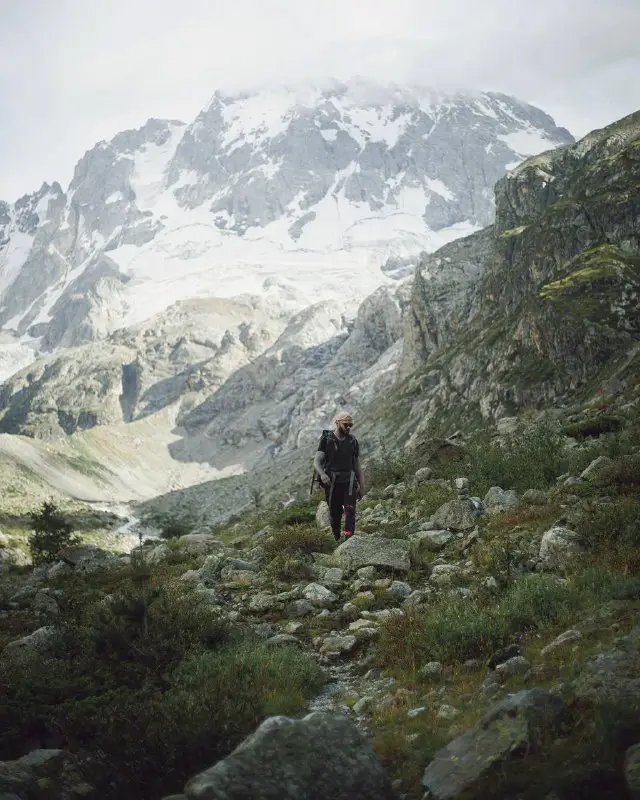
x=37, y=642
x=321, y=756
x=89, y=558
x=39, y=773
x=373, y=551
x=513, y=726
x=612, y=678
x=632, y=771
x=456, y=515
x=498, y=500
x=424, y=544
x=323, y=518
x=559, y=548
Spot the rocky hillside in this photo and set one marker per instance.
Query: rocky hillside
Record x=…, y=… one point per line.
x=541, y=307
x=477, y=638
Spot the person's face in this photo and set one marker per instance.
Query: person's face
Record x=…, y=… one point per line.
x=344, y=426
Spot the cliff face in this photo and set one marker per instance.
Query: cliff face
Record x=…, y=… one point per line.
x=540, y=307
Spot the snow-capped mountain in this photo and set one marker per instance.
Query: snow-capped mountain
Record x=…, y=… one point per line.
x=301, y=194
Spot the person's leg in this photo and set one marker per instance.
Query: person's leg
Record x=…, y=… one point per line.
x=350, y=514
x=334, y=497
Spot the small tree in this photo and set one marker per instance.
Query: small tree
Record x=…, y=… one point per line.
x=51, y=532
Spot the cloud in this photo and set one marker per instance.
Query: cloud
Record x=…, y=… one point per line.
x=72, y=72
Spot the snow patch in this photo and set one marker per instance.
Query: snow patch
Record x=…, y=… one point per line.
x=440, y=188
x=526, y=142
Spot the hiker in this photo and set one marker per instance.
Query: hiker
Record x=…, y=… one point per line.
x=338, y=468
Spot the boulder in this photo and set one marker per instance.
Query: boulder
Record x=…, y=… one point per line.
x=88, y=558
x=632, y=771
x=319, y=595
x=37, y=642
x=424, y=544
x=596, y=468
x=559, y=548
x=498, y=500
x=376, y=551
x=323, y=518
x=422, y=475
x=512, y=727
x=320, y=756
x=456, y=515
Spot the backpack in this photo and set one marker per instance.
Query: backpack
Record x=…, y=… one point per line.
x=328, y=440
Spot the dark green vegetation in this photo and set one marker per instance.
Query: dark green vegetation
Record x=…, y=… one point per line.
x=148, y=683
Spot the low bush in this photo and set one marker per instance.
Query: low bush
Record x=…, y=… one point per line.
x=388, y=467
x=606, y=525
x=152, y=681
x=530, y=458
x=297, y=514
x=593, y=426
x=455, y=629
x=297, y=540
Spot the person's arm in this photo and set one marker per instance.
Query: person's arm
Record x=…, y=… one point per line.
x=319, y=463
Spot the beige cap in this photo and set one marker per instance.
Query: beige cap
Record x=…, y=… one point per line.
x=343, y=416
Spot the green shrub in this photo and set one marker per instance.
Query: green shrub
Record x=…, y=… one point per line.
x=594, y=426
x=51, y=533
x=612, y=524
x=289, y=568
x=457, y=629
x=297, y=514
x=156, y=701
x=388, y=466
x=530, y=458
x=297, y=540
x=624, y=473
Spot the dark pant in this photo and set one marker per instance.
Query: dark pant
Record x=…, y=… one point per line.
x=339, y=500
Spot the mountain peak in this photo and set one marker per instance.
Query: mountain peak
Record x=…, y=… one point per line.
x=295, y=186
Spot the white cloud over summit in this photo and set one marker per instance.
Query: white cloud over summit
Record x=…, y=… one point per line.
x=73, y=72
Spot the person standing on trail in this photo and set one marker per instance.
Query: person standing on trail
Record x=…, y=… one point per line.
x=338, y=468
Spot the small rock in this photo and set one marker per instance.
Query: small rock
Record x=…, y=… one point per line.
x=300, y=608
x=518, y=665
x=366, y=573
x=432, y=669
x=422, y=475
x=363, y=705
x=559, y=548
x=447, y=712
x=563, y=638
x=442, y=574
x=361, y=623
x=338, y=643
x=399, y=590
x=319, y=595
x=293, y=627
x=416, y=712
x=498, y=500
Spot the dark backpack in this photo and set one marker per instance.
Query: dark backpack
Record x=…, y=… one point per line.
x=328, y=439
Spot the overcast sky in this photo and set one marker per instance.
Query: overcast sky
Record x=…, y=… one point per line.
x=73, y=72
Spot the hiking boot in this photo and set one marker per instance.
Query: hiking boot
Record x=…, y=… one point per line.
x=348, y=534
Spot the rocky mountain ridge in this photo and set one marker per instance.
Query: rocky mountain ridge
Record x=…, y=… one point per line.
x=282, y=190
